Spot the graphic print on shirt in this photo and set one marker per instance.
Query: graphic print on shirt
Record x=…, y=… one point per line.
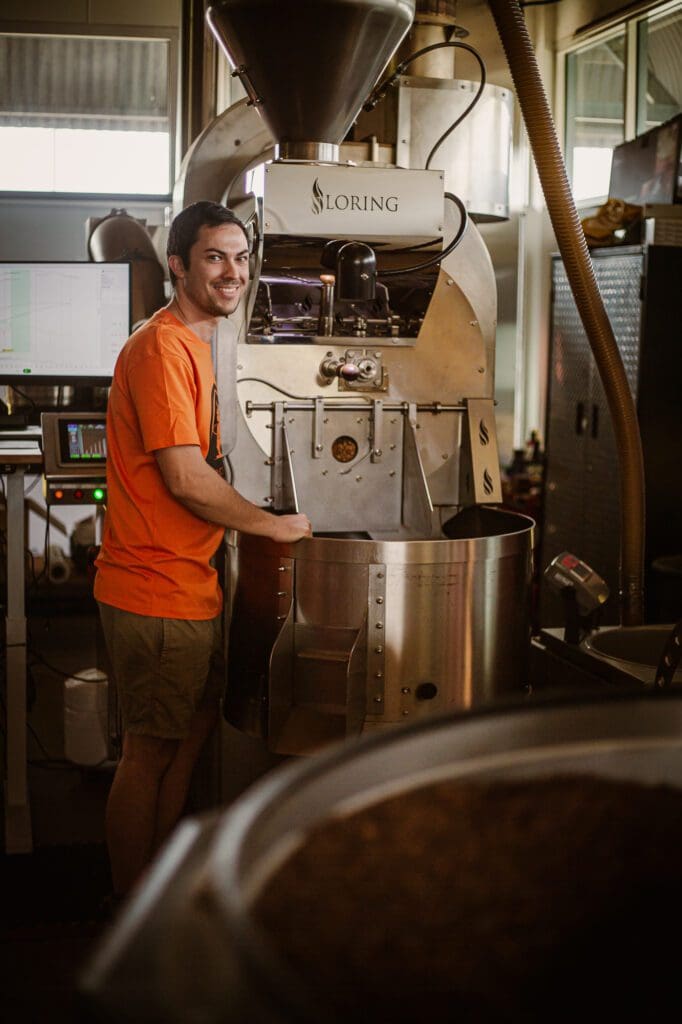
x=214, y=455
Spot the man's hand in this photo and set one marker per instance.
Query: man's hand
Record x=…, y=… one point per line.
x=200, y=489
x=287, y=529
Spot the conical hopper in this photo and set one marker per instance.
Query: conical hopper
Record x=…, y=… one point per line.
x=309, y=64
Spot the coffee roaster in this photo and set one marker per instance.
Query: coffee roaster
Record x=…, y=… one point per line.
x=357, y=379
x=357, y=385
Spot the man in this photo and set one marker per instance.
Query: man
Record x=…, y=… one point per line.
x=168, y=506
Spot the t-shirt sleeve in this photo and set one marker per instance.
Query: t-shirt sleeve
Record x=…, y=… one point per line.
x=163, y=389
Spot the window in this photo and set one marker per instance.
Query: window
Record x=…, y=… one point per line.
x=660, y=79
x=620, y=84
x=595, y=122
x=85, y=114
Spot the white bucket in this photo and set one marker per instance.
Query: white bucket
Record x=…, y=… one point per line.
x=86, y=717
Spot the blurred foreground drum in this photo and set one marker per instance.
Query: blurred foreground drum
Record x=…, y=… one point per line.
x=495, y=865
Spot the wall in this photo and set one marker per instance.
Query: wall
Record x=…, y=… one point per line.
x=575, y=16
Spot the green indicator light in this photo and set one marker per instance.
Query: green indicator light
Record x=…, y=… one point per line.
x=98, y=494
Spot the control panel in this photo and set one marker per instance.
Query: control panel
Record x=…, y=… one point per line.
x=74, y=456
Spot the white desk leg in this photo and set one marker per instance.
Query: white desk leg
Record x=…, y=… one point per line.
x=18, y=836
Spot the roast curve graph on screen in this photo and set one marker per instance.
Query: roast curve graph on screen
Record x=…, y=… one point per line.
x=62, y=321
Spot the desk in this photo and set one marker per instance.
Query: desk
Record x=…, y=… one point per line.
x=17, y=457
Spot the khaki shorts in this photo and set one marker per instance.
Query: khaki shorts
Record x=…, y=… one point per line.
x=164, y=669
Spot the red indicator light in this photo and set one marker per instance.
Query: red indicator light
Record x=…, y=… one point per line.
x=78, y=493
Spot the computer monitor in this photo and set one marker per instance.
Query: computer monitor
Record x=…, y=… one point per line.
x=62, y=323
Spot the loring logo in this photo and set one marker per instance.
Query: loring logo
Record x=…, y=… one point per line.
x=363, y=203
x=318, y=197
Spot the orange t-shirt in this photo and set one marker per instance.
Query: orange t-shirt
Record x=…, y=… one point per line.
x=155, y=557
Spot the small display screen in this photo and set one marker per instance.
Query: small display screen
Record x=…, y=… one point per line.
x=82, y=442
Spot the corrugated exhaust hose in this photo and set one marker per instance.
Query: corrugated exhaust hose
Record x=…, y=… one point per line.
x=549, y=161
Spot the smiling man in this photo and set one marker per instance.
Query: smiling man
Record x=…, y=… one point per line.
x=168, y=507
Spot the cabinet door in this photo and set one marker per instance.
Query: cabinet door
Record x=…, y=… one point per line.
x=567, y=403
x=582, y=499
x=660, y=421
x=619, y=280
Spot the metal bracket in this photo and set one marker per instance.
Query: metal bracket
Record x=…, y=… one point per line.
x=284, y=485
x=242, y=73
x=280, y=681
x=417, y=503
x=376, y=639
x=377, y=430
x=480, y=483
x=373, y=376
x=318, y=419
x=285, y=594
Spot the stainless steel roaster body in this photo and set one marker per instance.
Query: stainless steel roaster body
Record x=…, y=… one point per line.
x=356, y=384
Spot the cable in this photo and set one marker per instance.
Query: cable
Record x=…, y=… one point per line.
x=275, y=387
x=467, y=110
x=379, y=93
x=414, y=248
x=57, y=671
x=439, y=256
x=23, y=394
x=45, y=571
x=33, y=486
x=34, y=734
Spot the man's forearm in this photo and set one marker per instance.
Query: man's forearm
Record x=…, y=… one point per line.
x=201, y=490
x=229, y=509
x=210, y=497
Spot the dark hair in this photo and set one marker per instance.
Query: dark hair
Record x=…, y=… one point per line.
x=184, y=230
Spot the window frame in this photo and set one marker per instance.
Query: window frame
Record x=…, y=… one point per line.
x=164, y=33
x=606, y=28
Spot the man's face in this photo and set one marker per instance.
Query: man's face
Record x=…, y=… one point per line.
x=218, y=270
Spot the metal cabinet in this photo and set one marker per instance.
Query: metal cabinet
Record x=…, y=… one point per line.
x=642, y=292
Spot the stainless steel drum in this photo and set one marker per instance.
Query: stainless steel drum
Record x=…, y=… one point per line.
x=335, y=636
x=188, y=946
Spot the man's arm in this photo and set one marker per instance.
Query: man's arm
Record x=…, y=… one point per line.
x=200, y=489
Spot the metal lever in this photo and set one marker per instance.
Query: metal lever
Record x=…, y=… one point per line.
x=332, y=367
x=325, y=323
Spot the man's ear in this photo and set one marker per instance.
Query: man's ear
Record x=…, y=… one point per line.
x=177, y=266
